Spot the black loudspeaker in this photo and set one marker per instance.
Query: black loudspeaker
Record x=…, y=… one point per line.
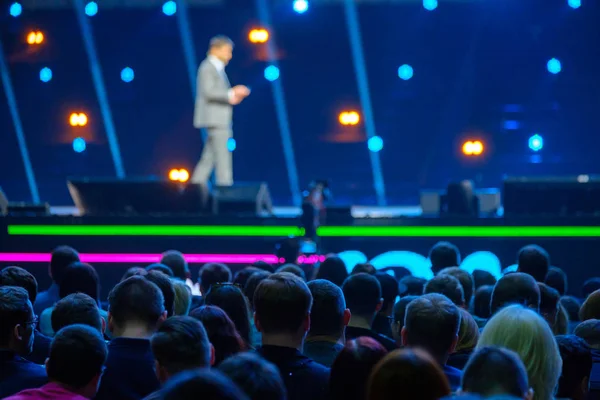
x=22, y=208
x=551, y=196
x=242, y=198
x=138, y=197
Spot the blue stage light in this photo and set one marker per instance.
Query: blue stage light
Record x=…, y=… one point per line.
x=430, y=5
x=91, y=8
x=271, y=73
x=554, y=66
x=79, y=145
x=574, y=3
x=15, y=9
x=169, y=8
x=405, y=72
x=536, y=142
x=45, y=74
x=231, y=145
x=375, y=144
x=511, y=125
x=300, y=6
x=127, y=74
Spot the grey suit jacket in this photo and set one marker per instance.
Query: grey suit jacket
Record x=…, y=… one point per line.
x=212, y=108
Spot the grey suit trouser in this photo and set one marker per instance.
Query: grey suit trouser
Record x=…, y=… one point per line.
x=215, y=155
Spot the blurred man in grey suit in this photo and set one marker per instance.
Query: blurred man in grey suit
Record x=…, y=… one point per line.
x=215, y=99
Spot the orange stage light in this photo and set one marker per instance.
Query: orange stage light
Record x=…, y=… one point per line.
x=78, y=119
x=179, y=175
x=35, y=37
x=349, y=118
x=472, y=148
x=258, y=35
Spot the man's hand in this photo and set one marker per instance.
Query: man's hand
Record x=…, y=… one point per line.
x=241, y=91
x=235, y=100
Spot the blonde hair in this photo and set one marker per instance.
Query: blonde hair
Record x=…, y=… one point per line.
x=526, y=333
x=468, y=333
x=183, y=297
x=561, y=325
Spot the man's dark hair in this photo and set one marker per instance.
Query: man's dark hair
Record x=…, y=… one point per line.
x=590, y=286
x=15, y=308
x=327, y=312
x=432, y=322
x=241, y=277
x=332, y=269
x=465, y=279
x=265, y=266
x=76, y=308
x=160, y=268
x=17, y=276
x=80, y=278
x=572, y=306
x=590, y=332
x=495, y=371
x=577, y=365
x=289, y=250
x=549, y=299
x=481, y=303
x=400, y=309
x=136, y=299
x=535, y=261
x=212, y=273
x=166, y=287
x=258, y=378
x=231, y=300
x=362, y=293
x=557, y=279
x=411, y=286
x=176, y=261
x=447, y=285
x=252, y=284
x=281, y=303
x=482, y=278
x=515, y=288
x=363, y=268
x=292, y=269
x=443, y=255
x=389, y=289
x=133, y=271
x=181, y=344
x=210, y=384
x=77, y=355
x=61, y=258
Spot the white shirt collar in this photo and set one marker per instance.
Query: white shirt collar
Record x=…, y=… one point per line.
x=219, y=65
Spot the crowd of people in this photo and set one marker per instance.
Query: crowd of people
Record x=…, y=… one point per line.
x=280, y=332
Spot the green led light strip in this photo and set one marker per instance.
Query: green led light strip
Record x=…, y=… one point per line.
x=459, y=231
x=153, y=230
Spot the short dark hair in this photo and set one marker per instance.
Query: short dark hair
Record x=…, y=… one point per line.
x=557, y=279
x=572, y=306
x=363, y=268
x=166, y=287
x=447, y=285
x=77, y=355
x=590, y=286
x=161, y=268
x=212, y=273
x=136, y=299
x=15, y=308
x=362, y=293
x=80, y=278
x=481, y=303
x=76, y=308
x=281, y=303
x=549, y=299
x=176, y=261
x=495, y=371
x=515, y=288
x=265, y=266
x=252, y=283
x=181, y=343
x=482, y=278
x=442, y=255
x=465, y=279
x=577, y=364
x=411, y=286
x=432, y=322
x=400, y=309
x=61, y=258
x=327, y=312
x=133, y=271
x=533, y=260
x=241, y=277
x=332, y=269
x=231, y=300
x=258, y=378
x=292, y=269
x=590, y=309
x=389, y=288
x=590, y=332
x=209, y=383
x=17, y=276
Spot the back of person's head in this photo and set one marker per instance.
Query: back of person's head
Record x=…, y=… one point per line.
x=175, y=260
x=160, y=268
x=590, y=332
x=61, y=258
x=80, y=278
x=133, y=271
x=443, y=255
x=535, y=261
x=76, y=308
x=447, y=285
x=252, y=284
x=241, y=277
x=407, y=373
x=557, y=279
x=166, y=287
x=209, y=384
x=180, y=344
x=17, y=276
x=576, y=367
x=363, y=268
x=411, y=286
x=258, y=378
x=328, y=315
x=561, y=327
x=515, y=288
x=351, y=369
x=212, y=273
x=230, y=299
x=590, y=286
x=572, y=306
x=590, y=309
x=526, y=333
x=221, y=332
x=289, y=250
x=363, y=295
x=292, y=269
x=432, y=322
x=549, y=303
x=398, y=315
x=282, y=304
x=265, y=266
x=136, y=300
x=465, y=279
x=493, y=371
x=481, y=302
x=468, y=333
x=332, y=269
x=482, y=278
x=183, y=297
x=15, y=310
x=389, y=290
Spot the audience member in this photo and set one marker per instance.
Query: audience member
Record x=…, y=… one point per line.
x=411, y=286
x=160, y=268
x=571, y=306
x=183, y=297
x=389, y=293
x=525, y=332
x=221, y=332
x=590, y=286
x=447, y=285
x=163, y=282
x=251, y=285
x=77, y=308
x=332, y=269
x=213, y=273
x=557, y=279
x=292, y=269
x=205, y=383
x=562, y=326
x=263, y=265
x=590, y=332
x=61, y=258
x=549, y=304
x=590, y=309
x=432, y=322
x=398, y=317
x=230, y=299
x=175, y=260
x=481, y=304
x=574, y=382
x=351, y=369
x=363, y=268
x=133, y=271
x=535, y=261
x=407, y=373
x=495, y=371
x=515, y=288
x=443, y=255
x=363, y=297
x=258, y=378
x=241, y=277
x=482, y=278
x=136, y=308
x=282, y=314
x=328, y=319
x=289, y=250
x=468, y=335
x=465, y=279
